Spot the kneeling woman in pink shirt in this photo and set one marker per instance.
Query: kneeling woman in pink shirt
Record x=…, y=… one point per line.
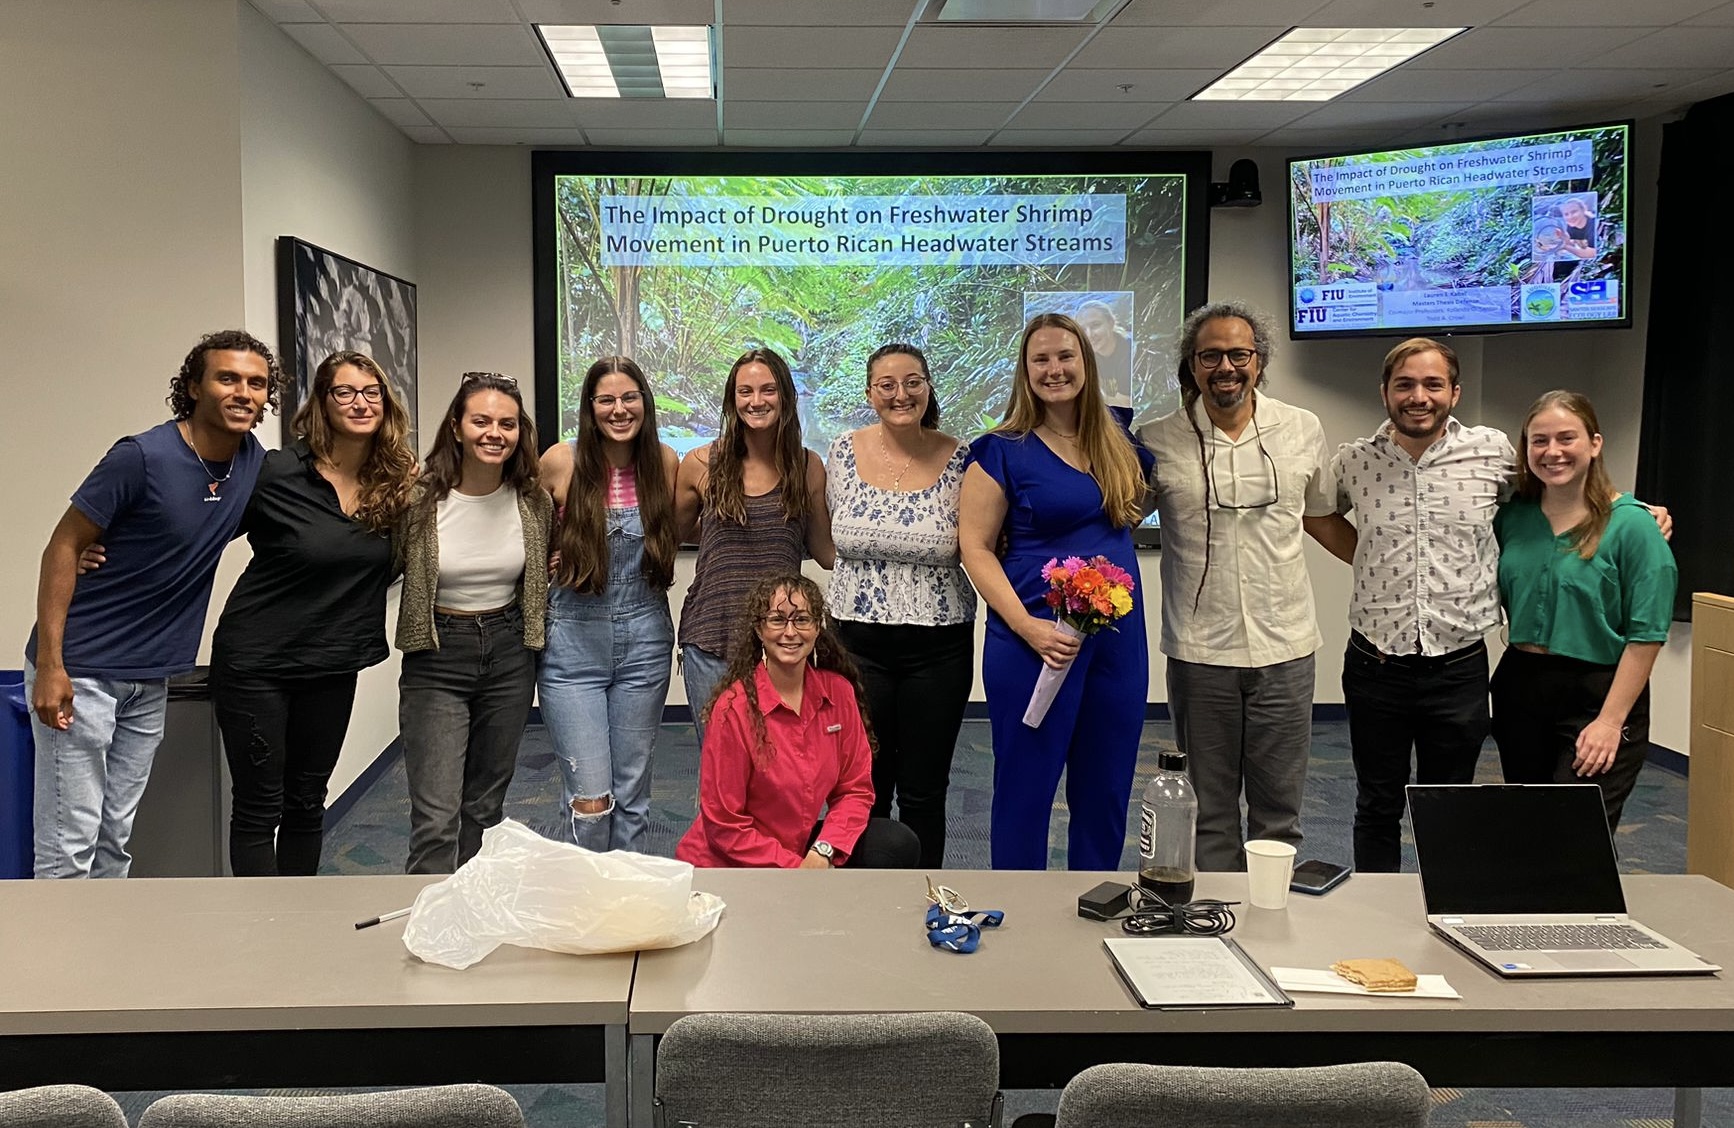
x=786, y=773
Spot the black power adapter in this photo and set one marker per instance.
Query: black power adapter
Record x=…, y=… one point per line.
x=1106, y=901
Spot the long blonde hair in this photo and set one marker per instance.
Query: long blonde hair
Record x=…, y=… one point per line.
x=1113, y=464
x=1598, y=488
x=388, y=471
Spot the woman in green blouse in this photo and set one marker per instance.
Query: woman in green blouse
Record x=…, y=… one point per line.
x=1588, y=586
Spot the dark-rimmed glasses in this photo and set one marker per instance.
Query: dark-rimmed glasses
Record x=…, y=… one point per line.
x=346, y=393
x=479, y=377
x=1212, y=358
x=1273, y=485
x=800, y=620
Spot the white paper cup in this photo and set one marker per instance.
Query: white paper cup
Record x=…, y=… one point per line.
x=1269, y=868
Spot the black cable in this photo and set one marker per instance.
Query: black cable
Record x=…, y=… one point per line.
x=1152, y=916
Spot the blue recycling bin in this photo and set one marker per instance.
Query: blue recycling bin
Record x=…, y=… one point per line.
x=17, y=777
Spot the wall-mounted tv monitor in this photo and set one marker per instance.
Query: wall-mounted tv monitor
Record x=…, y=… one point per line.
x=1518, y=232
x=683, y=260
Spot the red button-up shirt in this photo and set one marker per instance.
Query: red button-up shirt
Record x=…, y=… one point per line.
x=760, y=810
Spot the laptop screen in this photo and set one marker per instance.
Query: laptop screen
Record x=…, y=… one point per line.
x=1509, y=849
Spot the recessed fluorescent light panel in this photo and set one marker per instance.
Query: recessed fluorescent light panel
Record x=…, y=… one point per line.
x=1003, y=12
x=1316, y=64
x=631, y=61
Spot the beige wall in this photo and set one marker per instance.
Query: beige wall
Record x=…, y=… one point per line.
x=120, y=240
x=317, y=162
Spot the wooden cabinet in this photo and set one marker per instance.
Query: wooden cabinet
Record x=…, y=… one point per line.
x=1710, y=791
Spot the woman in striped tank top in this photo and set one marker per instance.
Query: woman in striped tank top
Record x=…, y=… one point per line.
x=756, y=498
x=605, y=672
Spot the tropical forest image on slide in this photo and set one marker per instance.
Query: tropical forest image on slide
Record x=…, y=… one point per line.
x=683, y=273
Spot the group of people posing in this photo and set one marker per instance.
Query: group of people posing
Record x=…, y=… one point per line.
x=547, y=578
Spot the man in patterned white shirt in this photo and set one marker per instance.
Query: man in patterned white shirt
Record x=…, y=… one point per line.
x=1424, y=489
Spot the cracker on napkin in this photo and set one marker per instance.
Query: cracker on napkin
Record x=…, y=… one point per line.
x=1376, y=975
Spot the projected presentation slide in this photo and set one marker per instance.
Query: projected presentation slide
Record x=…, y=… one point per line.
x=1511, y=232
x=685, y=272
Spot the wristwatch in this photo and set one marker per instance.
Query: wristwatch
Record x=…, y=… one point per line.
x=827, y=851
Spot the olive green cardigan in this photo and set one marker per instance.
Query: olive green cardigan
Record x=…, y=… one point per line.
x=419, y=548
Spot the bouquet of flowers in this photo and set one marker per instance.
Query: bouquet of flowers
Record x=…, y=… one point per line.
x=1086, y=596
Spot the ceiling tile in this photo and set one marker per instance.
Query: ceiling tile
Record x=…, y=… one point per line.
x=961, y=86
x=789, y=138
x=768, y=84
x=324, y=43
x=793, y=115
x=1163, y=47
x=807, y=13
x=1505, y=117
x=367, y=81
x=1678, y=97
x=496, y=82
x=476, y=45
x=1710, y=47
x=1368, y=114
x=1231, y=115
x=952, y=115
x=1606, y=13
x=1307, y=141
x=418, y=11
x=653, y=138
x=287, y=11
x=1406, y=84
x=1442, y=13
x=1123, y=116
x=923, y=138
x=501, y=112
x=1583, y=85
x=606, y=12
x=1191, y=138
x=399, y=111
x=1056, y=138
x=482, y=135
x=812, y=46
x=933, y=45
x=1074, y=85
x=1715, y=17
x=426, y=134
x=1218, y=13
x=644, y=113
x=1520, y=48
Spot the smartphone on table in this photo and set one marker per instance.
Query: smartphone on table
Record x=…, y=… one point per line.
x=1316, y=877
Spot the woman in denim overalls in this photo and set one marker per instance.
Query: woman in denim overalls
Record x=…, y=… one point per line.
x=605, y=673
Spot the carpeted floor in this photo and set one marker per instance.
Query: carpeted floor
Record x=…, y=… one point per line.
x=372, y=837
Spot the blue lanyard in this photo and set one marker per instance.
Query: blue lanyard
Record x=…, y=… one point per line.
x=959, y=932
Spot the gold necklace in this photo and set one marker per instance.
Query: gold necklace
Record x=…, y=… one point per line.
x=885, y=453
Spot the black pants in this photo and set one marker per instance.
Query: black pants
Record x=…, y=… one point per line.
x=883, y=845
x=917, y=680
x=1437, y=706
x=1540, y=704
x=282, y=737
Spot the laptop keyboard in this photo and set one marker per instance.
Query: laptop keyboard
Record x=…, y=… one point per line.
x=1558, y=937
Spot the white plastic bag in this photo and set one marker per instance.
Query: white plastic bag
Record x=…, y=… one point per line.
x=523, y=889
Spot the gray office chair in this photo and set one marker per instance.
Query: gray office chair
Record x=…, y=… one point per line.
x=443, y=1106
x=795, y=1071
x=60, y=1106
x=1371, y=1095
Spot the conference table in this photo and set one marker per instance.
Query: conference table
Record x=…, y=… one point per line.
x=243, y=983
x=815, y=942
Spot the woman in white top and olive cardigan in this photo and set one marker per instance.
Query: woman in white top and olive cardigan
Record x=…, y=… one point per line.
x=473, y=616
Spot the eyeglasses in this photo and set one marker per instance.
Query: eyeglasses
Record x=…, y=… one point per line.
x=889, y=387
x=1212, y=358
x=480, y=377
x=606, y=403
x=346, y=393
x=800, y=620
x=1258, y=487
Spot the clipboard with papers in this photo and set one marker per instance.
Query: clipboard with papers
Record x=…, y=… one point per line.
x=1192, y=973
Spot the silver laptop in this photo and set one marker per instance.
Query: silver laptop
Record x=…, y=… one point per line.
x=1524, y=879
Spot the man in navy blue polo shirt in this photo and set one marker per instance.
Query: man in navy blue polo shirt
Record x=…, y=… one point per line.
x=164, y=503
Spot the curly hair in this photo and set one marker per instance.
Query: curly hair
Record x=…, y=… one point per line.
x=180, y=398
x=388, y=472
x=828, y=654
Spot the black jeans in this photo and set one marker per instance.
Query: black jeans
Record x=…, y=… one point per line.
x=282, y=737
x=883, y=845
x=1437, y=706
x=1540, y=704
x=462, y=710
x=917, y=680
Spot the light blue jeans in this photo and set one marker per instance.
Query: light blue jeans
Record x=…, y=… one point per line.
x=701, y=672
x=603, y=683
x=90, y=778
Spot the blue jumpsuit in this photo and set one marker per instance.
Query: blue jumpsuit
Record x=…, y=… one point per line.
x=1096, y=721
